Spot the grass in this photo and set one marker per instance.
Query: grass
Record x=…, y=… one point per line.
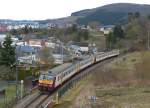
x=10, y=95
x=126, y=62
x=68, y=99
x=123, y=83
x=135, y=96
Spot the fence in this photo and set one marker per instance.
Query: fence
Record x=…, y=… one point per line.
x=70, y=84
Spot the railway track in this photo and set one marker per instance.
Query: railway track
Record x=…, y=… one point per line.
x=39, y=100
x=33, y=101
x=28, y=100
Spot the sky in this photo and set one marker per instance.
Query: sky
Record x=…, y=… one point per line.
x=51, y=9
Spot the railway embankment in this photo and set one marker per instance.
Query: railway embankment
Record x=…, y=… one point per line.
x=123, y=82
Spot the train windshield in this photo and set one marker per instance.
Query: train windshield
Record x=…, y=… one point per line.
x=42, y=77
x=46, y=77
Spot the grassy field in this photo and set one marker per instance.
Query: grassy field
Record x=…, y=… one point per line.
x=67, y=99
x=10, y=95
x=123, y=97
x=122, y=83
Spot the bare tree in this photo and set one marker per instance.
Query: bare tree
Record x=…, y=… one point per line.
x=45, y=55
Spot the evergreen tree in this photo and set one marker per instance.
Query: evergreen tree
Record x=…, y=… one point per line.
x=7, y=57
x=111, y=40
x=84, y=34
x=25, y=30
x=148, y=17
x=137, y=15
x=130, y=16
x=118, y=32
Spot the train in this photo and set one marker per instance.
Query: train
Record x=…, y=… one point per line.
x=55, y=77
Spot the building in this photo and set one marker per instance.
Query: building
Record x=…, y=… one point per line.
x=107, y=29
x=26, y=54
x=37, y=42
x=59, y=58
x=83, y=47
x=3, y=28
x=50, y=44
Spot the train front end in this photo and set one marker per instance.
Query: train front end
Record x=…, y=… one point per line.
x=46, y=82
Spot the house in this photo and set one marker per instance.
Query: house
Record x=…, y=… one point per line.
x=27, y=59
x=3, y=28
x=37, y=42
x=76, y=51
x=107, y=29
x=26, y=54
x=84, y=47
x=59, y=58
x=50, y=44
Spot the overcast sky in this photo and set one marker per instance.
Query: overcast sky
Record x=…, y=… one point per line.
x=50, y=9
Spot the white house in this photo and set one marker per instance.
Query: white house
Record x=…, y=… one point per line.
x=106, y=29
x=59, y=58
x=83, y=47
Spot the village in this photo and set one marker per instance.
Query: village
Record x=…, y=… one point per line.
x=29, y=47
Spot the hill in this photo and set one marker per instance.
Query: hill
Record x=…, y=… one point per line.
x=110, y=14
x=107, y=15
x=61, y=21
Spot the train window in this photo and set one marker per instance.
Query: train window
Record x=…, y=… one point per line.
x=65, y=74
x=70, y=71
x=73, y=69
x=58, y=78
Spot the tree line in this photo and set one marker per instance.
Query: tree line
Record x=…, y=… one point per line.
x=66, y=34
x=132, y=35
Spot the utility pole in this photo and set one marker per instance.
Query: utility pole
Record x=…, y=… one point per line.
x=148, y=47
x=16, y=69
x=62, y=52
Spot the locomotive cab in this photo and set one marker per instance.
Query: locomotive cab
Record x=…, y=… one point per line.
x=46, y=82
